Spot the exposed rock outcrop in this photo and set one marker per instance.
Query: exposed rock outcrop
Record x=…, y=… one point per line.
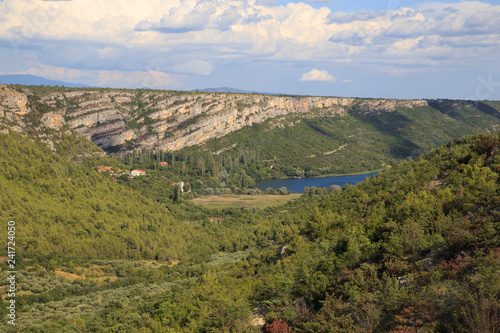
x=16, y=102
x=174, y=120
x=54, y=120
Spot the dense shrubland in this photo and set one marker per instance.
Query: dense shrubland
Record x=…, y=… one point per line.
x=356, y=142
x=66, y=210
x=413, y=249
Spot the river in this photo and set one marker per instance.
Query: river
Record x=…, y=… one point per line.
x=296, y=185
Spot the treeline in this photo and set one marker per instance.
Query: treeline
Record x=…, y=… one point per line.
x=205, y=173
x=202, y=172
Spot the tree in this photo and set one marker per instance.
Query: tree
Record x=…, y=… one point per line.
x=177, y=192
x=306, y=190
x=201, y=166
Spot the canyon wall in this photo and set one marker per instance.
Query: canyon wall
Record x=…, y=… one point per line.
x=171, y=120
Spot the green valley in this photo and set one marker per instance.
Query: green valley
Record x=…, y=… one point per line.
x=99, y=249
x=280, y=136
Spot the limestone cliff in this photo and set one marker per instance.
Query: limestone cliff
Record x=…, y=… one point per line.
x=169, y=120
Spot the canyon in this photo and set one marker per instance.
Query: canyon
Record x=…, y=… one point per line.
x=125, y=120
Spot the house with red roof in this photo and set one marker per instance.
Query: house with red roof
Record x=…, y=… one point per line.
x=137, y=172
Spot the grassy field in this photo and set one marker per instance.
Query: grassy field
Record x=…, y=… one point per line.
x=250, y=201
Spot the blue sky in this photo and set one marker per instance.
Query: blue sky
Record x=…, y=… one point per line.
x=391, y=48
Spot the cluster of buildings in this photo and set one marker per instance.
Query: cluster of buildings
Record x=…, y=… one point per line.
x=131, y=174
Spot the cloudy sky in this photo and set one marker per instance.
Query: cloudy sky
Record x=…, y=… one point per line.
x=363, y=48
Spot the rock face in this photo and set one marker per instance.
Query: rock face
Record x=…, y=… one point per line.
x=53, y=120
x=13, y=101
x=169, y=120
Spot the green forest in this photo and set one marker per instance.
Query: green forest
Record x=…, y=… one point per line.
x=356, y=142
x=413, y=249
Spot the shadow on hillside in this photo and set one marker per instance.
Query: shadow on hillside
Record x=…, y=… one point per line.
x=485, y=108
x=392, y=125
x=449, y=107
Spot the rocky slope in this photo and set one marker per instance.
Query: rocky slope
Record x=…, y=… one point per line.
x=165, y=120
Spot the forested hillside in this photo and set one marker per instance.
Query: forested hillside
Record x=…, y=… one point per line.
x=66, y=210
x=360, y=140
x=413, y=249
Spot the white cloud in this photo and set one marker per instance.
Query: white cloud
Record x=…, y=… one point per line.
x=196, y=37
x=317, y=75
x=197, y=67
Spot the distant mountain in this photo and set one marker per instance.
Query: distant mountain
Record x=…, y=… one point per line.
x=33, y=80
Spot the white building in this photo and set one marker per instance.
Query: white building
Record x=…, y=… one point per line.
x=137, y=172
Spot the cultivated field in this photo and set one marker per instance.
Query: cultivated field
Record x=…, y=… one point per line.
x=250, y=201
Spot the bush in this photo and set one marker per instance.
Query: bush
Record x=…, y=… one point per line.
x=37, y=289
x=282, y=191
x=277, y=326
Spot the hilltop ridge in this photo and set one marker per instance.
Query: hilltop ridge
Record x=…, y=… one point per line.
x=168, y=120
x=328, y=133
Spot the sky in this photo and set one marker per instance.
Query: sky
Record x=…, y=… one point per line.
x=366, y=48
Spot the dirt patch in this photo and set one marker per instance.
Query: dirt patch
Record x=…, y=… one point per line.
x=258, y=317
x=72, y=277
x=335, y=150
x=435, y=183
x=68, y=276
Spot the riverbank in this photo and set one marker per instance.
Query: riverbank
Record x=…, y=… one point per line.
x=347, y=174
x=326, y=175
x=296, y=185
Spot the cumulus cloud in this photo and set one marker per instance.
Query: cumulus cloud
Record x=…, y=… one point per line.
x=317, y=75
x=188, y=16
x=198, y=67
x=428, y=35
x=221, y=15
x=196, y=37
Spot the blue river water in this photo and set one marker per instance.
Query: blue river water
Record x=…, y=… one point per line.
x=296, y=185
